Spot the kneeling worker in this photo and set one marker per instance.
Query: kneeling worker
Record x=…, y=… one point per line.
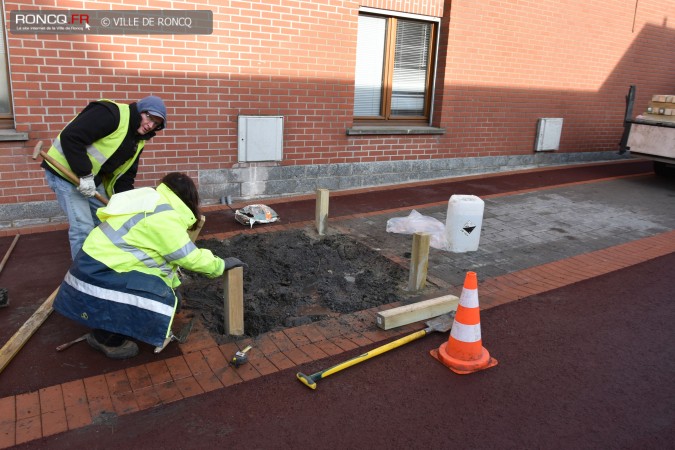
x=121, y=283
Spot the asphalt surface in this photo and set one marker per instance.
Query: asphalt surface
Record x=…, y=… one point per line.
x=588, y=365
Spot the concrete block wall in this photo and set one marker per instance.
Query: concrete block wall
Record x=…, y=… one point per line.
x=501, y=66
x=274, y=181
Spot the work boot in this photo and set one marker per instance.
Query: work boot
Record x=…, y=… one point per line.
x=128, y=349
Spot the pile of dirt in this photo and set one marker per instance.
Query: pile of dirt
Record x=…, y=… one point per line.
x=296, y=277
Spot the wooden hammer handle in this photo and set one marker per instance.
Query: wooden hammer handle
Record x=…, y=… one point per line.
x=67, y=172
x=9, y=252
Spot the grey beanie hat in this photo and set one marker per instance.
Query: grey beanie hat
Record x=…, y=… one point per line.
x=155, y=106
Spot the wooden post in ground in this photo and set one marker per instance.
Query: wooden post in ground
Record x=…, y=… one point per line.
x=419, y=261
x=234, y=301
x=321, y=211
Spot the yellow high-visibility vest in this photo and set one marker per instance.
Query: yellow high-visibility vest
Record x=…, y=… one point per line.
x=101, y=150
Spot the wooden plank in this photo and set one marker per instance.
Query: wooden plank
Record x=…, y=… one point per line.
x=419, y=261
x=234, y=301
x=662, y=98
x=426, y=309
x=16, y=342
x=659, y=107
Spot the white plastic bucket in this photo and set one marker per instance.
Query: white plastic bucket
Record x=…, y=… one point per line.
x=463, y=223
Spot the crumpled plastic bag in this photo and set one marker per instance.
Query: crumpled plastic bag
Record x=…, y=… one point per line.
x=251, y=214
x=416, y=222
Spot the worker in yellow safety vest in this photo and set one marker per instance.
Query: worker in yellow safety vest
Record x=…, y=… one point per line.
x=122, y=282
x=101, y=146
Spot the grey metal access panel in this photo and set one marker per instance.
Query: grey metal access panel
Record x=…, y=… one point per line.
x=260, y=138
x=548, y=134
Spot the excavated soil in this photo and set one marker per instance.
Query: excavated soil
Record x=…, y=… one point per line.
x=294, y=278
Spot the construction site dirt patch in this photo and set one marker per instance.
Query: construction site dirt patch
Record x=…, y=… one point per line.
x=294, y=278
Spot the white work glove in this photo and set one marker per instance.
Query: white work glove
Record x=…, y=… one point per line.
x=87, y=186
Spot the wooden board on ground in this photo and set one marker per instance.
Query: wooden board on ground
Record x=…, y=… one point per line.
x=16, y=342
x=426, y=309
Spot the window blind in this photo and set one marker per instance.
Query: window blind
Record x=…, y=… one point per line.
x=4, y=80
x=411, y=59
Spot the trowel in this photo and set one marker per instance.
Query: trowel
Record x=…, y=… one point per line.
x=181, y=337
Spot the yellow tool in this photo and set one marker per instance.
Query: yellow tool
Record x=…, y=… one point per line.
x=441, y=323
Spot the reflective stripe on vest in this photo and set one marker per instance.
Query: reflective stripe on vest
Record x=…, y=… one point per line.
x=119, y=297
x=91, y=151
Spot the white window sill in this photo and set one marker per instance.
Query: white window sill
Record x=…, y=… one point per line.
x=12, y=135
x=361, y=130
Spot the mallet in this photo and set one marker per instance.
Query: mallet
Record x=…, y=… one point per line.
x=240, y=357
x=64, y=170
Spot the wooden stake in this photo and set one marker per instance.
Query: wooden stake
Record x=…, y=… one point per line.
x=194, y=234
x=419, y=261
x=321, y=211
x=234, y=301
x=16, y=342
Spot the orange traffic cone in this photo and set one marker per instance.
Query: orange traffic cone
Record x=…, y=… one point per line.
x=464, y=352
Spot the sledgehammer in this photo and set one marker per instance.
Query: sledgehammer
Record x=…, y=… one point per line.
x=64, y=170
x=441, y=323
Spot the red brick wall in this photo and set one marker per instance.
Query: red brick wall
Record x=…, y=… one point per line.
x=510, y=63
x=424, y=7
x=507, y=64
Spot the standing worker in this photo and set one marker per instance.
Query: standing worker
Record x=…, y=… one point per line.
x=122, y=282
x=102, y=146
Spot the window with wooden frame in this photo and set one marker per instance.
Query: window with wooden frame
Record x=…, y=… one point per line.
x=394, y=70
x=6, y=116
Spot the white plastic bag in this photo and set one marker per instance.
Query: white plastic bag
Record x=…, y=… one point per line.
x=416, y=222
